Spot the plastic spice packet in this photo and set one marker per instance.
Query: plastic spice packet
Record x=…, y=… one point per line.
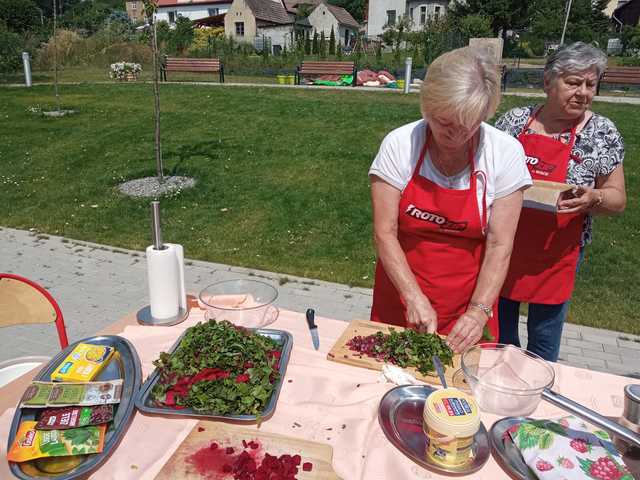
x=55, y=394
x=74, y=417
x=30, y=443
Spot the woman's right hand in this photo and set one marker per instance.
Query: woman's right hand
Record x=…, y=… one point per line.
x=421, y=314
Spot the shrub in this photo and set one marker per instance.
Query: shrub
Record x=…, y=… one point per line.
x=67, y=46
x=204, y=41
x=10, y=47
x=633, y=60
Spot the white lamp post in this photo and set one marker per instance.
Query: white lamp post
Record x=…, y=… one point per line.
x=566, y=20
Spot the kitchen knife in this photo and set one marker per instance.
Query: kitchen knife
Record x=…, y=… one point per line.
x=313, y=328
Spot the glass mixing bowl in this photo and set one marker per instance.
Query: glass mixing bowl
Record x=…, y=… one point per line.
x=246, y=303
x=506, y=380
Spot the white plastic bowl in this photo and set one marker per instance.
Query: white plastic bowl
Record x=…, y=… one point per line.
x=246, y=303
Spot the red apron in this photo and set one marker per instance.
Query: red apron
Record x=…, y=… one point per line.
x=443, y=238
x=547, y=245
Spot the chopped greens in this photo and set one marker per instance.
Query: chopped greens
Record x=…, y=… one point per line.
x=406, y=348
x=219, y=369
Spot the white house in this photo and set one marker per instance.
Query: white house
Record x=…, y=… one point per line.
x=325, y=16
x=387, y=12
x=170, y=10
x=252, y=21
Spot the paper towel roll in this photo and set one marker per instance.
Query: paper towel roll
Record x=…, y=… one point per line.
x=179, y=252
x=164, y=282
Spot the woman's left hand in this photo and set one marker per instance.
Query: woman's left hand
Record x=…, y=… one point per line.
x=467, y=330
x=578, y=200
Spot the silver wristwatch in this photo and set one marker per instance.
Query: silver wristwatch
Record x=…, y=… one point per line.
x=488, y=310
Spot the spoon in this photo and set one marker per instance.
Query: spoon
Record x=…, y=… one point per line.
x=439, y=370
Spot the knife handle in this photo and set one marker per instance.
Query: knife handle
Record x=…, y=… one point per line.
x=311, y=314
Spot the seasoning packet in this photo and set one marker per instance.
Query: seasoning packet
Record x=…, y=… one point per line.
x=73, y=417
x=55, y=394
x=30, y=443
x=83, y=364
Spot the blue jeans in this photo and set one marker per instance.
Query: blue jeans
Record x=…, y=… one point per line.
x=544, y=324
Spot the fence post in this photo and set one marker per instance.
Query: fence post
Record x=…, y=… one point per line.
x=26, y=63
x=407, y=74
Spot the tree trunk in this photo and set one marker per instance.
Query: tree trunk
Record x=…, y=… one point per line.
x=55, y=55
x=156, y=95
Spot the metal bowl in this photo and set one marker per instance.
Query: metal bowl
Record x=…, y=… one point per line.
x=506, y=380
x=246, y=303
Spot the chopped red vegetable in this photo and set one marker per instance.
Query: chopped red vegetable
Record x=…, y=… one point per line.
x=307, y=466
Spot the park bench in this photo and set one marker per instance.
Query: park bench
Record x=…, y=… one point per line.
x=315, y=69
x=620, y=76
x=197, y=65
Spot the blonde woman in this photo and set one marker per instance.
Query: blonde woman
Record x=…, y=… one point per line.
x=447, y=193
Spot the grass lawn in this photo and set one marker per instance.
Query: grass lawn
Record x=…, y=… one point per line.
x=282, y=180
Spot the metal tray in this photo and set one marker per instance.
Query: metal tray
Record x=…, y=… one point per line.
x=509, y=458
x=400, y=416
x=125, y=365
x=145, y=404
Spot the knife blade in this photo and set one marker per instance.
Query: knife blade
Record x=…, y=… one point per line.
x=313, y=328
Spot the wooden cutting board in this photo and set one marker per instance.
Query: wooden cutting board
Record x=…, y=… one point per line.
x=340, y=352
x=194, y=458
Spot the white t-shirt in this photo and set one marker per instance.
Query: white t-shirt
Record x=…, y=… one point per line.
x=499, y=156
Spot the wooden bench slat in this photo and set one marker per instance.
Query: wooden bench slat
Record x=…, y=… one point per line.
x=194, y=63
x=188, y=69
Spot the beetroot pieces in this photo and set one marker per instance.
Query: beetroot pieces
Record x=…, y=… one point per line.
x=245, y=466
x=371, y=345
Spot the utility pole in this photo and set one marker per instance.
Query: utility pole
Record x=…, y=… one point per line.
x=566, y=20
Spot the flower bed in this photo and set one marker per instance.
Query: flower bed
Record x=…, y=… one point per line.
x=124, y=70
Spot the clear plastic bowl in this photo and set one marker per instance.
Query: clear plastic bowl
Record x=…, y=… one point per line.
x=246, y=303
x=506, y=380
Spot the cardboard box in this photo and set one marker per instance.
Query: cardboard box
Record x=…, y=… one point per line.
x=543, y=195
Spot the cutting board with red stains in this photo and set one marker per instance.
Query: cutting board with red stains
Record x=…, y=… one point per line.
x=211, y=446
x=340, y=352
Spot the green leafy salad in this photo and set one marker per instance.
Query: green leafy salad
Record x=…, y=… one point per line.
x=219, y=369
x=405, y=348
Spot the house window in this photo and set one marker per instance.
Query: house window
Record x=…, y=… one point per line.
x=346, y=36
x=172, y=17
x=134, y=5
x=437, y=12
x=411, y=13
x=423, y=15
x=240, y=29
x=391, y=17
x=213, y=11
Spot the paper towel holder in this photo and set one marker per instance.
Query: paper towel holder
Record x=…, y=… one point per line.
x=143, y=316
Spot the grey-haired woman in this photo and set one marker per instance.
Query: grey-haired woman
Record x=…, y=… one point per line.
x=566, y=142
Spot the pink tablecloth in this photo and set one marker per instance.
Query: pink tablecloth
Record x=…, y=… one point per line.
x=321, y=397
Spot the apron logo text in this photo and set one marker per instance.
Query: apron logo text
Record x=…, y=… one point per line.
x=439, y=220
x=540, y=167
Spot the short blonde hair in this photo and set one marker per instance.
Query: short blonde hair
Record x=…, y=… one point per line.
x=463, y=85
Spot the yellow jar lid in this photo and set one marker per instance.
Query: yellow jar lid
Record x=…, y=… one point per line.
x=451, y=412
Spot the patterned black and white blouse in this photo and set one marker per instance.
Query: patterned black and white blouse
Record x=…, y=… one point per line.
x=599, y=147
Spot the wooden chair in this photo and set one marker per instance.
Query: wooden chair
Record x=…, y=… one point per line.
x=23, y=302
x=315, y=69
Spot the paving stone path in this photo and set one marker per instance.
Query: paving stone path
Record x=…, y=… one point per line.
x=98, y=284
